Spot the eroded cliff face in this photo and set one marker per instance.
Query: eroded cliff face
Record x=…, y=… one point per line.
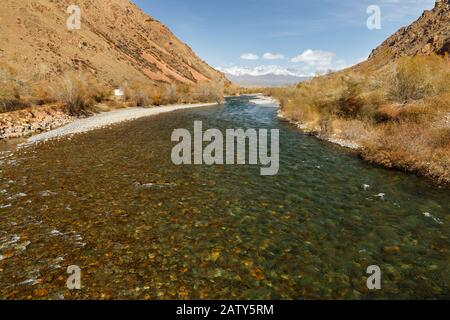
x=429, y=34
x=116, y=42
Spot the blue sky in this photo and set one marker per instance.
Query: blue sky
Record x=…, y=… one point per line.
x=282, y=36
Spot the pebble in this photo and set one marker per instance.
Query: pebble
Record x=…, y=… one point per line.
x=381, y=196
x=429, y=215
x=391, y=249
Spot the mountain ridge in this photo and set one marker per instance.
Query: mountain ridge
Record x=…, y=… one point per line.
x=117, y=42
x=428, y=34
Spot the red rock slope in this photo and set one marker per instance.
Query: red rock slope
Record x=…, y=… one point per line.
x=117, y=42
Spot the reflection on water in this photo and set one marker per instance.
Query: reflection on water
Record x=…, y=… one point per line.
x=111, y=202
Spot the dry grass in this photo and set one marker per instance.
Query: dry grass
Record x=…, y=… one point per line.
x=414, y=147
x=419, y=77
x=143, y=95
x=10, y=90
x=208, y=92
x=399, y=113
x=78, y=93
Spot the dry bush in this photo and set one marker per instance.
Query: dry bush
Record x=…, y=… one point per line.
x=100, y=92
x=145, y=95
x=208, y=92
x=137, y=93
x=233, y=90
x=141, y=94
x=325, y=96
x=162, y=95
x=77, y=92
x=374, y=101
x=387, y=112
x=170, y=95
x=349, y=103
x=351, y=129
x=439, y=104
x=10, y=90
x=9, y=97
x=43, y=92
x=184, y=93
x=411, y=146
x=415, y=78
x=375, y=96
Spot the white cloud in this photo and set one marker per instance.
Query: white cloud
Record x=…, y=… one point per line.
x=249, y=56
x=315, y=58
x=265, y=70
x=273, y=56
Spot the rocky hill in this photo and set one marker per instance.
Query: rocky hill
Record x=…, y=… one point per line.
x=429, y=34
x=116, y=42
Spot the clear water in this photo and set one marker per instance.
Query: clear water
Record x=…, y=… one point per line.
x=220, y=232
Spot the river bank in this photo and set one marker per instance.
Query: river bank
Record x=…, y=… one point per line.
x=319, y=135
x=52, y=121
x=347, y=137
x=106, y=119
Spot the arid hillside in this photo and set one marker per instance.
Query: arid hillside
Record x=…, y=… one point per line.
x=116, y=42
x=429, y=34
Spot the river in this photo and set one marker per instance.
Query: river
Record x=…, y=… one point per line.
x=139, y=227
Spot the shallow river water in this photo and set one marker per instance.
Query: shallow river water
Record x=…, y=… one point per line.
x=111, y=202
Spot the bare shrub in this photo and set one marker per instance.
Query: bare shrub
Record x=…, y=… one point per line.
x=100, y=92
x=170, y=94
x=350, y=102
x=415, y=78
x=75, y=92
x=412, y=147
x=10, y=87
x=208, y=92
x=136, y=93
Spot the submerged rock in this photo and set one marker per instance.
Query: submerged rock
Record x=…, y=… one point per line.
x=391, y=249
x=154, y=185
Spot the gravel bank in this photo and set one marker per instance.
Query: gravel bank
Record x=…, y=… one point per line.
x=109, y=118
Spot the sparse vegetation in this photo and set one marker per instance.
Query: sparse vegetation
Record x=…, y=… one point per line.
x=82, y=94
x=400, y=114
x=75, y=93
x=10, y=90
x=208, y=92
x=140, y=94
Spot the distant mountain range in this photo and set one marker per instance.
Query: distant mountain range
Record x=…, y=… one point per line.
x=267, y=80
